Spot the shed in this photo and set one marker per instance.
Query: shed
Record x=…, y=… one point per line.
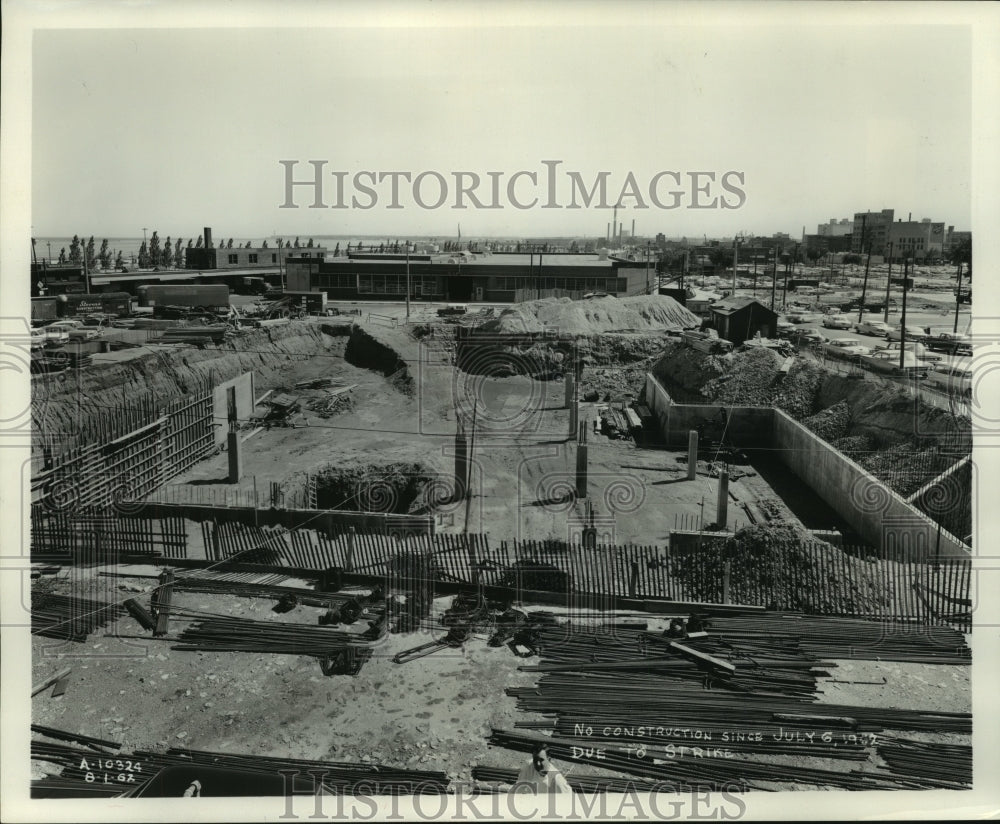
x=738, y=319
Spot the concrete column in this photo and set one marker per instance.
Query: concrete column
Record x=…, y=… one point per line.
x=692, y=454
x=351, y=538
x=570, y=382
x=574, y=417
x=581, y=464
x=461, y=463
x=722, y=508
x=235, y=449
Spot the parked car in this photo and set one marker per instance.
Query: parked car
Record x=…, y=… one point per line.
x=917, y=349
x=55, y=334
x=873, y=327
x=887, y=362
x=805, y=336
x=846, y=348
x=836, y=321
x=38, y=338
x=953, y=377
x=800, y=317
x=912, y=333
x=949, y=342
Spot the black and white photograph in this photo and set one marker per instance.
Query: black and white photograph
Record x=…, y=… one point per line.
x=419, y=411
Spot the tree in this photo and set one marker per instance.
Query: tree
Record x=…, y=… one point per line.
x=62, y=255
x=248, y=246
x=296, y=243
x=119, y=263
x=230, y=244
x=178, y=254
x=105, y=255
x=336, y=251
x=309, y=245
x=154, y=250
x=199, y=243
x=74, y=249
x=813, y=254
x=264, y=244
x=852, y=259
x=143, y=256
x=167, y=257
x=288, y=244
x=90, y=256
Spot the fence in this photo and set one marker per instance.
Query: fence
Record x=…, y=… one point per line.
x=101, y=535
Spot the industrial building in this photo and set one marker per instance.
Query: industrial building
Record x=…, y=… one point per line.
x=463, y=276
x=210, y=257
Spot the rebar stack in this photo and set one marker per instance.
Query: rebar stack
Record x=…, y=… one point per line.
x=938, y=766
x=221, y=634
x=341, y=776
x=70, y=617
x=687, y=770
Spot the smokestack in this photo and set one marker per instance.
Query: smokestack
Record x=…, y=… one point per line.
x=607, y=233
x=633, y=228
x=208, y=237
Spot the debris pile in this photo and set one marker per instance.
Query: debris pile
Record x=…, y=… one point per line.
x=832, y=423
x=784, y=565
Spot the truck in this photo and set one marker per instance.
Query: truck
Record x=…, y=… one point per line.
x=196, y=296
x=44, y=309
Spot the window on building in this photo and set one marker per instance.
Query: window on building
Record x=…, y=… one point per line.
x=253, y=258
x=274, y=258
x=233, y=258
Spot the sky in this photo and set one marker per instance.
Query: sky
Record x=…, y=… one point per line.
x=176, y=129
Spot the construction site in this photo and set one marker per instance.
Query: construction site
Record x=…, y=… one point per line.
x=406, y=548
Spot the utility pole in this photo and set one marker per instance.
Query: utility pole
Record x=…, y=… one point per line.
x=902, y=322
x=407, y=280
x=864, y=284
x=647, y=269
x=958, y=296
x=736, y=256
x=774, y=278
x=888, y=284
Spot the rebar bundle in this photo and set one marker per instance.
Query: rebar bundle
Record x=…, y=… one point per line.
x=683, y=770
x=221, y=634
x=70, y=617
x=341, y=776
x=579, y=783
x=941, y=766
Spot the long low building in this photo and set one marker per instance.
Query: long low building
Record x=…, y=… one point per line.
x=461, y=277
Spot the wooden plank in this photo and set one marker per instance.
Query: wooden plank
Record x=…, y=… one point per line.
x=48, y=682
x=702, y=657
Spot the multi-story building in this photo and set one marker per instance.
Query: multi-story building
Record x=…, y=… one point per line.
x=870, y=231
x=836, y=228
x=917, y=240
x=953, y=239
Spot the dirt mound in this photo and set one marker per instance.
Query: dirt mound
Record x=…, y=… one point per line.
x=753, y=377
x=390, y=488
x=61, y=401
x=563, y=316
x=832, y=423
x=783, y=566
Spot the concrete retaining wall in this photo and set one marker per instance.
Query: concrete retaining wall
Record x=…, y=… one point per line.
x=243, y=384
x=882, y=517
x=749, y=426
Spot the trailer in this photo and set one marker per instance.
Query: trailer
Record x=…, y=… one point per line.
x=199, y=297
x=118, y=304
x=44, y=309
